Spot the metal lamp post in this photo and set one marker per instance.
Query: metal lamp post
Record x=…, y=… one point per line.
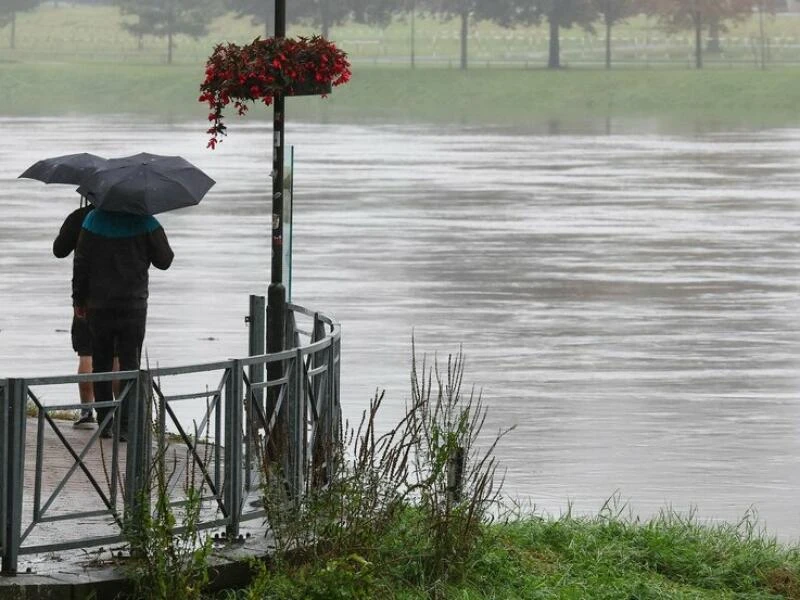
x=276, y=294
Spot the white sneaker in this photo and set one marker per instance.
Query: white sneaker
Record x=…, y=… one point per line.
x=85, y=420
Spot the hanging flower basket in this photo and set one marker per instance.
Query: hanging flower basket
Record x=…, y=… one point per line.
x=259, y=71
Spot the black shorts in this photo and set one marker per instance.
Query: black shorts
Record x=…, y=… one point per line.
x=81, y=337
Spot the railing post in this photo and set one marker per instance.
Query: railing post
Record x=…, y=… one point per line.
x=318, y=335
x=140, y=447
x=321, y=442
x=296, y=397
x=337, y=370
x=331, y=441
x=15, y=455
x=276, y=451
x=4, y=412
x=257, y=321
x=232, y=493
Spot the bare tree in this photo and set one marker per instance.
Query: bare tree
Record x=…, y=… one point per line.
x=697, y=15
x=614, y=12
x=168, y=18
x=8, y=16
x=558, y=14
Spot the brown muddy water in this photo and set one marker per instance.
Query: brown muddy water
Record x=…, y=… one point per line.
x=629, y=301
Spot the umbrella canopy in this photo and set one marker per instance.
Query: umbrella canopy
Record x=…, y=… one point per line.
x=146, y=184
x=69, y=168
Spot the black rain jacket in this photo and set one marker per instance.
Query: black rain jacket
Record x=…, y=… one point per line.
x=112, y=257
x=67, y=238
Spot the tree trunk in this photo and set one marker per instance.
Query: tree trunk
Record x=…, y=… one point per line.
x=170, y=29
x=140, y=41
x=12, y=43
x=763, y=40
x=464, y=37
x=608, y=43
x=713, y=46
x=169, y=45
x=413, y=34
x=325, y=18
x=698, y=44
x=554, y=61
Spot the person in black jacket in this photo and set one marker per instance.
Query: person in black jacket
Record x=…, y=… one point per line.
x=64, y=244
x=110, y=287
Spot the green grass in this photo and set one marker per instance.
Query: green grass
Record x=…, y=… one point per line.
x=78, y=60
x=395, y=94
x=670, y=557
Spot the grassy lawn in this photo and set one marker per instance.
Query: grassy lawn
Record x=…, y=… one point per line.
x=77, y=59
x=567, y=558
x=396, y=94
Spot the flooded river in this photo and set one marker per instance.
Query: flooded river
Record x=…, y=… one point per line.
x=629, y=301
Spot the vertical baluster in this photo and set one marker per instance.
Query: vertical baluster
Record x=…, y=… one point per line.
x=232, y=492
x=16, y=467
x=4, y=412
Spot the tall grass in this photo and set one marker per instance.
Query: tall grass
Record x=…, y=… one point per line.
x=415, y=497
x=169, y=554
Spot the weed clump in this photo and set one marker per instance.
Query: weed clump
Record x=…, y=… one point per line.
x=414, y=498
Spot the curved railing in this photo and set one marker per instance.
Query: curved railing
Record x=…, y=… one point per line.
x=61, y=490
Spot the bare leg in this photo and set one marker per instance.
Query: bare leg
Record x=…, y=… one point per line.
x=116, y=387
x=86, y=390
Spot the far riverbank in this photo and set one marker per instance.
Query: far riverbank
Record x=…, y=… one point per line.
x=481, y=96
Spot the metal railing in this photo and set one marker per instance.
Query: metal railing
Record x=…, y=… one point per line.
x=247, y=423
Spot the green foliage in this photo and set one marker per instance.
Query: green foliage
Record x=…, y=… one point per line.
x=165, y=565
x=608, y=557
x=675, y=15
x=615, y=11
x=415, y=497
x=454, y=483
x=347, y=578
x=169, y=557
x=160, y=18
x=566, y=13
x=168, y=18
x=318, y=14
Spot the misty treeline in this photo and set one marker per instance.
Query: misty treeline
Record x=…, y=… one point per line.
x=168, y=18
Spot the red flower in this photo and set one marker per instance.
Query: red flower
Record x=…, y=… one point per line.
x=264, y=68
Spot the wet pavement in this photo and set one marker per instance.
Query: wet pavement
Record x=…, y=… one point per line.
x=99, y=567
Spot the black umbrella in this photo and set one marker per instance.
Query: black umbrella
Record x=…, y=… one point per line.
x=70, y=168
x=146, y=184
